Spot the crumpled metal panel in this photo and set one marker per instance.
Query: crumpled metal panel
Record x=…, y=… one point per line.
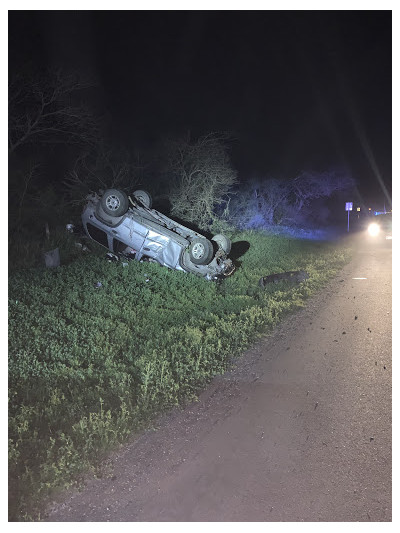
x=162, y=248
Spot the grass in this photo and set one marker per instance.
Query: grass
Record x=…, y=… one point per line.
x=89, y=364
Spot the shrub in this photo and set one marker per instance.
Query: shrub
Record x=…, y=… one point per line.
x=202, y=178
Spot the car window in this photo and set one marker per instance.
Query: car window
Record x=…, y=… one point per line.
x=97, y=234
x=119, y=246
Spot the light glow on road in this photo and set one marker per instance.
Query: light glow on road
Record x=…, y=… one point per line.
x=358, y=278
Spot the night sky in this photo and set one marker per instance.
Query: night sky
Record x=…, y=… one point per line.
x=299, y=90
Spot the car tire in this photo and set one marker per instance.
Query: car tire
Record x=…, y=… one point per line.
x=201, y=251
x=114, y=202
x=144, y=197
x=223, y=242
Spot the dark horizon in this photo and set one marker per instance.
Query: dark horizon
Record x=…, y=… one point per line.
x=299, y=90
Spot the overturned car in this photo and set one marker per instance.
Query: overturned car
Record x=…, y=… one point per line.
x=129, y=227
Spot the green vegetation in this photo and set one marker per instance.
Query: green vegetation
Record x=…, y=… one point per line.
x=90, y=363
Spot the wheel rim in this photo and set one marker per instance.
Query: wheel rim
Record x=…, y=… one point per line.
x=198, y=250
x=112, y=202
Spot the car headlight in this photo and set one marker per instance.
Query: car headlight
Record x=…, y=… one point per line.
x=373, y=229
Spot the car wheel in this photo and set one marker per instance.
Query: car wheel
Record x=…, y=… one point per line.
x=144, y=197
x=201, y=251
x=114, y=202
x=223, y=242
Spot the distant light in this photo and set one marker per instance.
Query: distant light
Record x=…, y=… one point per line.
x=369, y=209
x=358, y=209
x=358, y=278
x=373, y=229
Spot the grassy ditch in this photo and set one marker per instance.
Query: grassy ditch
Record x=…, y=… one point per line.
x=96, y=350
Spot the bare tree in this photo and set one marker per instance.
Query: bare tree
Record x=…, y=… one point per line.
x=307, y=191
x=103, y=169
x=270, y=202
x=46, y=109
x=259, y=203
x=19, y=192
x=202, y=177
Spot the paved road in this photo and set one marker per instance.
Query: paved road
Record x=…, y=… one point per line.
x=299, y=431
